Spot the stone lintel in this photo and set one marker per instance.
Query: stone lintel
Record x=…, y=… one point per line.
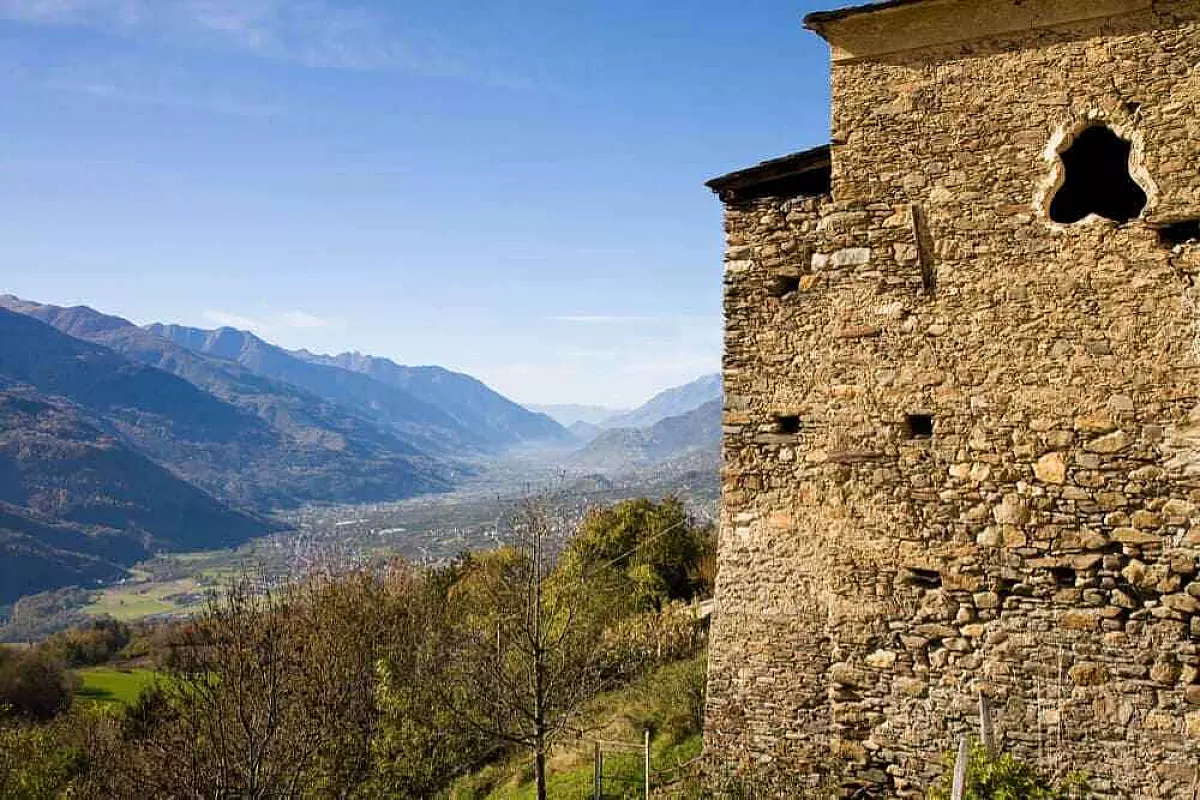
x=898, y=26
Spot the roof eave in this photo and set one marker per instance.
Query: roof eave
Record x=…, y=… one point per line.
x=793, y=174
x=818, y=20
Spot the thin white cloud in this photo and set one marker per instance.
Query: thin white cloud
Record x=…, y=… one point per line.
x=273, y=324
x=624, y=384
x=71, y=12
x=212, y=103
x=589, y=353
x=301, y=319
x=602, y=319
x=226, y=319
x=578, y=253
x=313, y=33
x=685, y=364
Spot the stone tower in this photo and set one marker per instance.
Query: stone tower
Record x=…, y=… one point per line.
x=962, y=423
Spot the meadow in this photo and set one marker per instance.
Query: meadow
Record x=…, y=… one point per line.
x=111, y=686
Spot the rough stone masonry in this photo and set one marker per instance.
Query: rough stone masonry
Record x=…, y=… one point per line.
x=962, y=423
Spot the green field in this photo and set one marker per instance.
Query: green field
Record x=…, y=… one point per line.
x=113, y=686
x=136, y=600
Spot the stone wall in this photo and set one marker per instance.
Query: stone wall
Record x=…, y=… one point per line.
x=1042, y=545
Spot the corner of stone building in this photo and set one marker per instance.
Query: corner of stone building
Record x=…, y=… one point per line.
x=961, y=448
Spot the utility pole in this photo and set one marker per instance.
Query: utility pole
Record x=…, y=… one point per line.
x=598, y=774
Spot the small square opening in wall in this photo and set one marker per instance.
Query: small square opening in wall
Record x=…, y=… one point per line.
x=1063, y=576
x=785, y=285
x=1183, y=232
x=788, y=425
x=919, y=426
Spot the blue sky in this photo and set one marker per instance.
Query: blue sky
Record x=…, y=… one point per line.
x=510, y=188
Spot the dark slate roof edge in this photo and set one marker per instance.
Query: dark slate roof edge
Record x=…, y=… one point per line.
x=773, y=170
x=816, y=20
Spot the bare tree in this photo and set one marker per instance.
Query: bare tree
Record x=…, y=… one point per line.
x=233, y=714
x=526, y=650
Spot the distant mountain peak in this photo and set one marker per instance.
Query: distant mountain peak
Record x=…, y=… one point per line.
x=571, y=413
x=670, y=403
x=696, y=430
x=468, y=400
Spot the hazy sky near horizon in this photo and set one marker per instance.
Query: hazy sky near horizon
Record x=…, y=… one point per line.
x=510, y=188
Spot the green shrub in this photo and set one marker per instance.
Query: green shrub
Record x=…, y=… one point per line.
x=34, y=685
x=714, y=781
x=657, y=552
x=97, y=642
x=1002, y=777
x=53, y=759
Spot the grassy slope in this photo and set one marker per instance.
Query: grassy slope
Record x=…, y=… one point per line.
x=657, y=701
x=622, y=773
x=113, y=686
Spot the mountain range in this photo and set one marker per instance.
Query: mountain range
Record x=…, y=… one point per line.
x=77, y=499
x=587, y=421
x=669, y=403
x=670, y=438
x=116, y=440
x=119, y=441
x=570, y=413
x=486, y=417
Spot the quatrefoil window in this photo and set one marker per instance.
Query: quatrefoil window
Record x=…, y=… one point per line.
x=1097, y=179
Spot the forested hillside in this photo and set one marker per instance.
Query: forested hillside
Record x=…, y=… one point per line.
x=77, y=504
x=407, y=683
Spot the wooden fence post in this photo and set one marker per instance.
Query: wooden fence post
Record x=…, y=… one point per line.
x=647, y=772
x=987, y=733
x=959, y=787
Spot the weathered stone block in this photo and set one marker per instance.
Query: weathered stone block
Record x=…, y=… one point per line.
x=1079, y=620
x=986, y=600
x=1011, y=512
x=1112, y=443
x=1183, y=603
x=1192, y=725
x=1135, y=537
x=1051, y=468
x=1095, y=422
x=881, y=659
x=847, y=675
x=851, y=257
x=1088, y=674
x=1143, y=519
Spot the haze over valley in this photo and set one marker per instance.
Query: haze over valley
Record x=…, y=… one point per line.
x=122, y=444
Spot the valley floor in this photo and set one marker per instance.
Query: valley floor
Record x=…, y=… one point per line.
x=429, y=529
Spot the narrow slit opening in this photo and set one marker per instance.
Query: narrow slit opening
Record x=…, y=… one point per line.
x=924, y=578
x=925, y=248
